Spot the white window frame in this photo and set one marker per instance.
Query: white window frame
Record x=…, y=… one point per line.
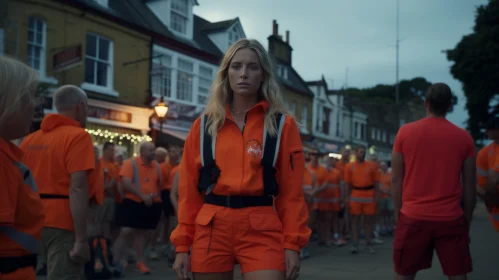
x=282, y=71
x=236, y=32
x=373, y=133
x=2, y=41
x=304, y=116
x=191, y=73
x=109, y=88
x=180, y=14
x=209, y=79
x=175, y=57
x=160, y=80
x=384, y=136
x=42, y=70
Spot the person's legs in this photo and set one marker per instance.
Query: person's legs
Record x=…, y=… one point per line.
x=59, y=264
x=452, y=246
x=213, y=276
x=412, y=247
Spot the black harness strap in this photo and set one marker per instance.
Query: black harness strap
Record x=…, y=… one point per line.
x=270, y=150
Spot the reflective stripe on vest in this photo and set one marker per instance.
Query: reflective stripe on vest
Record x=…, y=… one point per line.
x=28, y=242
x=481, y=172
x=362, y=199
x=326, y=200
x=307, y=187
x=332, y=186
x=136, y=173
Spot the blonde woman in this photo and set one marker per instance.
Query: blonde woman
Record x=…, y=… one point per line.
x=21, y=210
x=241, y=156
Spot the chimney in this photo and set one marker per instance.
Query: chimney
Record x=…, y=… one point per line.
x=275, y=28
x=287, y=37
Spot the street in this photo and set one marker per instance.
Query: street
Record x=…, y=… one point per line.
x=338, y=263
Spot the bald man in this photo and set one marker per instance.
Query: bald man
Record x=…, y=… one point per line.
x=161, y=154
x=140, y=210
x=60, y=156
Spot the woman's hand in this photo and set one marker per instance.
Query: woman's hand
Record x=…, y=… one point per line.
x=292, y=259
x=182, y=265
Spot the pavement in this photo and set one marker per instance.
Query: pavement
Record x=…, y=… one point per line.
x=339, y=263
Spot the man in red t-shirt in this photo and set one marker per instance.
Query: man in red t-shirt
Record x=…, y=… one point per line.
x=430, y=157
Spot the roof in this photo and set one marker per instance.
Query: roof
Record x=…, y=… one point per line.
x=137, y=15
x=219, y=26
x=294, y=80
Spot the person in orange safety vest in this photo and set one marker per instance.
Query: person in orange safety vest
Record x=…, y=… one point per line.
x=240, y=189
x=21, y=210
x=61, y=157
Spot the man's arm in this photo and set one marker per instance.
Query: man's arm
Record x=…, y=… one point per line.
x=174, y=192
x=126, y=183
x=78, y=203
x=398, y=169
x=469, y=191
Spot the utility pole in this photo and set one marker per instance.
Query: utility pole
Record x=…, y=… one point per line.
x=397, y=93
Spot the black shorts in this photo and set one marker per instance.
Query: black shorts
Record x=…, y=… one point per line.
x=341, y=214
x=167, y=203
x=137, y=215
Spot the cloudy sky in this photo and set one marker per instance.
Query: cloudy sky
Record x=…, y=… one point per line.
x=329, y=36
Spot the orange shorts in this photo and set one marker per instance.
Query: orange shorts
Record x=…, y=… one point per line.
x=250, y=236
x=26, y=273
x=362, y=208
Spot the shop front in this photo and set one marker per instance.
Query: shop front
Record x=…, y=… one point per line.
x=326, y=147
x=125, y=126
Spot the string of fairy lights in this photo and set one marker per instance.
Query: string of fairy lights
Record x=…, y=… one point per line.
x=115, y=137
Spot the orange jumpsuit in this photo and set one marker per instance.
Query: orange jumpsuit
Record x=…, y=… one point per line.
x=254, y=237
x=485, y=161
x=362, y=177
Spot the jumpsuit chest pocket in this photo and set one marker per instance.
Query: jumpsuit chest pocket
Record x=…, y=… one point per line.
x=265, y=222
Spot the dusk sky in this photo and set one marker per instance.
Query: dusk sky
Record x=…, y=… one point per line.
x=329, y=36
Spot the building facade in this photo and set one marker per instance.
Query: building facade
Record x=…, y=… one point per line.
x=296, y=94
x=327, y=122
x=186, y=53
x=85, y=43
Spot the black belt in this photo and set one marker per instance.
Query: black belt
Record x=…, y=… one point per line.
x=239, y=201
x=363, y=188
x=11, y=264
x=53, y=196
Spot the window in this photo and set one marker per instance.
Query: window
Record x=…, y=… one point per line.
x=392, y=138
x=384, y=136
x=98, y=61
x=205, y=78
x=362, y=131
x=292, y=107
x=304, y=117
x=373, y=133
x=235, y=34
x=378, y=135
x=1, y=41
x=184, y=80
x=356, y=129
x=161, y=80
x=36, y=44
x=179, y=16
x=325, y=120
x=282, y=72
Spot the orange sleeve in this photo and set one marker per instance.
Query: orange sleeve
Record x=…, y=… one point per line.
x=348, y=173
x=8, y=199
x=190, y=200
x=127, y=169
x=80, y=153
x=290, y=203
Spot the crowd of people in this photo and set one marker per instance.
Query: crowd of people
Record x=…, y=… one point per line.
x=240, y=191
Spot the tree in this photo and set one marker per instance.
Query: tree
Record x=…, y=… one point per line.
x=476, y=66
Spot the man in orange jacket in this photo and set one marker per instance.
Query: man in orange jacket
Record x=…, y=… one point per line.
x=60, y=156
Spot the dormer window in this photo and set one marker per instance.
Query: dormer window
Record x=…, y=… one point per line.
x=282, y=72
x=235, y=33
x=179, y=16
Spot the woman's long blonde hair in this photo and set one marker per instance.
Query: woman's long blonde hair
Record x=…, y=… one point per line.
x=16, y=80
x=221, y=93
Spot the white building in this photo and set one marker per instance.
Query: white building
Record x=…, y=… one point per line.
x=354, y=127
x=185, y=61
x=327, y=124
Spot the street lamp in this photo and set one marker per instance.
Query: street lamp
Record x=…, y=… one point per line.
x=161, y=110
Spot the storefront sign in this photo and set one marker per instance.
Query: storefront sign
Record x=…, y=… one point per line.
x=67, y=58
x=182, y=115
x=109, y=114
